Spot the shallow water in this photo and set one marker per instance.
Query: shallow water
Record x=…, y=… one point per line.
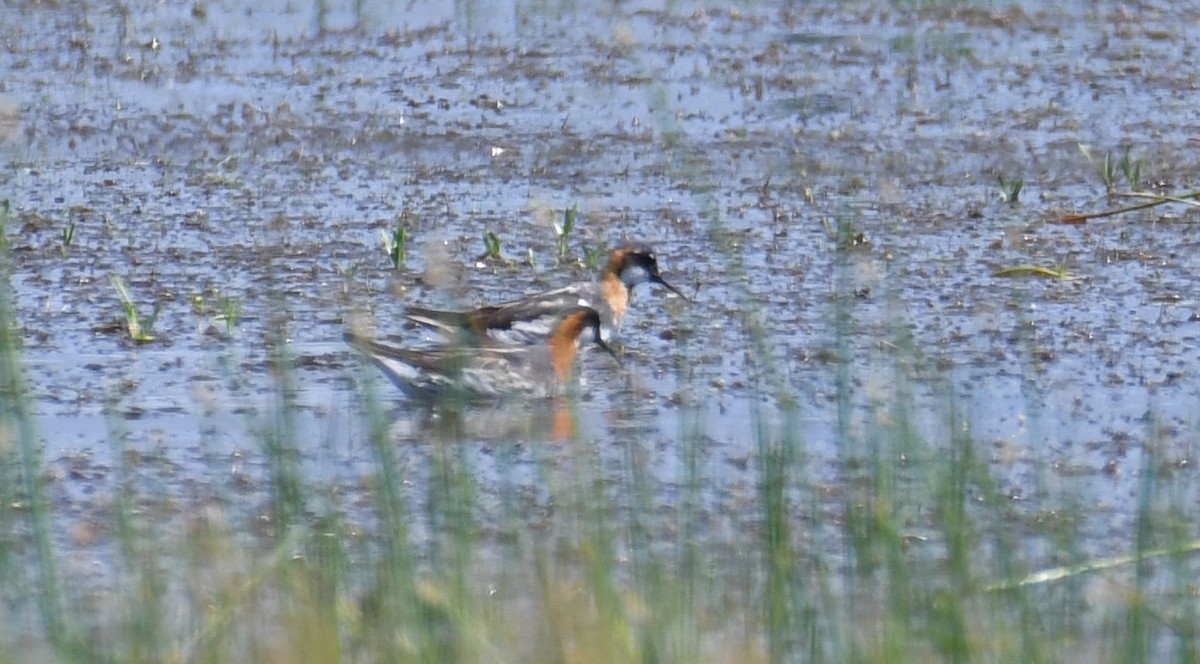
x=212, y=154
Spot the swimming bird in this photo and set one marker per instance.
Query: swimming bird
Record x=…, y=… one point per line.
x=472, y=373
x=531, y=319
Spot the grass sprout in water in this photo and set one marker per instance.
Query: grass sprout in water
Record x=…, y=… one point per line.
x=226, y=309
x=395, y=245
x=592, y=256
x=491, y=247
x=1132, y=168
x=68, y=237
x=229, y=311
x=1109, y=169
x=138, y=326
x=1010, y=190
x=563, y=230
x=1108, y=173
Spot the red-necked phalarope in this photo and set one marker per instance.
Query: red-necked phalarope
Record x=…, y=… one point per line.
x=536, y=371
x=531, y=319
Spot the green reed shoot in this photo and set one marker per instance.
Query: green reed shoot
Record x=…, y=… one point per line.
x=396, y=245
x=1108, y=173
x=563, y=230
x=1010, y=190
x=1132, y=168
x=68, y=236
x=491, y=246
x=139, y=327
x=230, y=311
x=592, y=257
x=1110, y=168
